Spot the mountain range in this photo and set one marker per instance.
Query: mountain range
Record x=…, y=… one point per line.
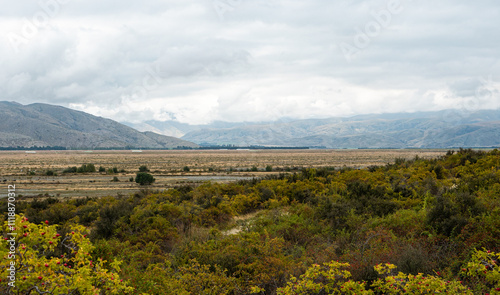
x=440, y=129
x=45, y=125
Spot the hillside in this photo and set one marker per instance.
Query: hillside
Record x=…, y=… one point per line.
x=48, y=125
x=444, y=129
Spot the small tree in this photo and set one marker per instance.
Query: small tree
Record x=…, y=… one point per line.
x=186, y=169
x=144, y=178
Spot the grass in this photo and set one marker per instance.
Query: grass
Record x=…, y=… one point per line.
x=29, y=171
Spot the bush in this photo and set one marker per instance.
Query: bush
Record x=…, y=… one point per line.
x=186, y=169
x=70, y=170
x=445, y=217
x=86, y=168
x=104, y=227
x=115, y=179
x=71, y=273
x=102, y=169
x=144, y=178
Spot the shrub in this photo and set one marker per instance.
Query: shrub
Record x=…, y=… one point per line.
x=70, y=170
x=144, y=178
x=72, y=273
x=86, y=168
x=113, y=170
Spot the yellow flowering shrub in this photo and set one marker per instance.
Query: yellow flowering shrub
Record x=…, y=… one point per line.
x=32, y=268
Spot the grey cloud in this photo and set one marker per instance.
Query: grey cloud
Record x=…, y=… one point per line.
x=281, y=55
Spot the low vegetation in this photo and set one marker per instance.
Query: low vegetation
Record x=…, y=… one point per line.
x=144, y=178
x=417, y=226
x=85, y=168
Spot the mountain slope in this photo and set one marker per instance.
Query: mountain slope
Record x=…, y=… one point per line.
x=49, y=125
x=443, y=129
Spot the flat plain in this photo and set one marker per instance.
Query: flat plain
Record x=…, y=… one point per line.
x=28, y=170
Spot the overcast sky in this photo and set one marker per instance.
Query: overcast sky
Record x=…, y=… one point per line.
x=196, y=61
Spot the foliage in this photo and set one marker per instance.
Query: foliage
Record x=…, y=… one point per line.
x=85, y=168
x=144, y=178
x=334, y=278
x=37, y=268
x=284, y=233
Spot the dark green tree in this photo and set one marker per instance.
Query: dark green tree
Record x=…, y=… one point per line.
x=144, y=178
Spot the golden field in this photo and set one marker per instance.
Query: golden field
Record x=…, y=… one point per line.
x=167, y=167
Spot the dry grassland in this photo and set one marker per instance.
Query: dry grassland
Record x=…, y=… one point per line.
x=167, y=167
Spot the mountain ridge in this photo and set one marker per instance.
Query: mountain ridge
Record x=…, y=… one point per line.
x=42, y=125
x=431, y=129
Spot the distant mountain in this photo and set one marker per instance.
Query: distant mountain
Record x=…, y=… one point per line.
x=443, y=129
x=49, y=125
x=174, y=128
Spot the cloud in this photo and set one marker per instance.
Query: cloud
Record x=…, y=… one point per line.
x=253, y=60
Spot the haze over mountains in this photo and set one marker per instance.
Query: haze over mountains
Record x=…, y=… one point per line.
x=49, y=125
x=442, y=129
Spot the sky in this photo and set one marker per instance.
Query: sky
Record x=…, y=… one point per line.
x=199, y=61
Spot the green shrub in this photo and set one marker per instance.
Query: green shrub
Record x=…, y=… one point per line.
x=144, y=178
x=70, y=170
x=86, y=168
